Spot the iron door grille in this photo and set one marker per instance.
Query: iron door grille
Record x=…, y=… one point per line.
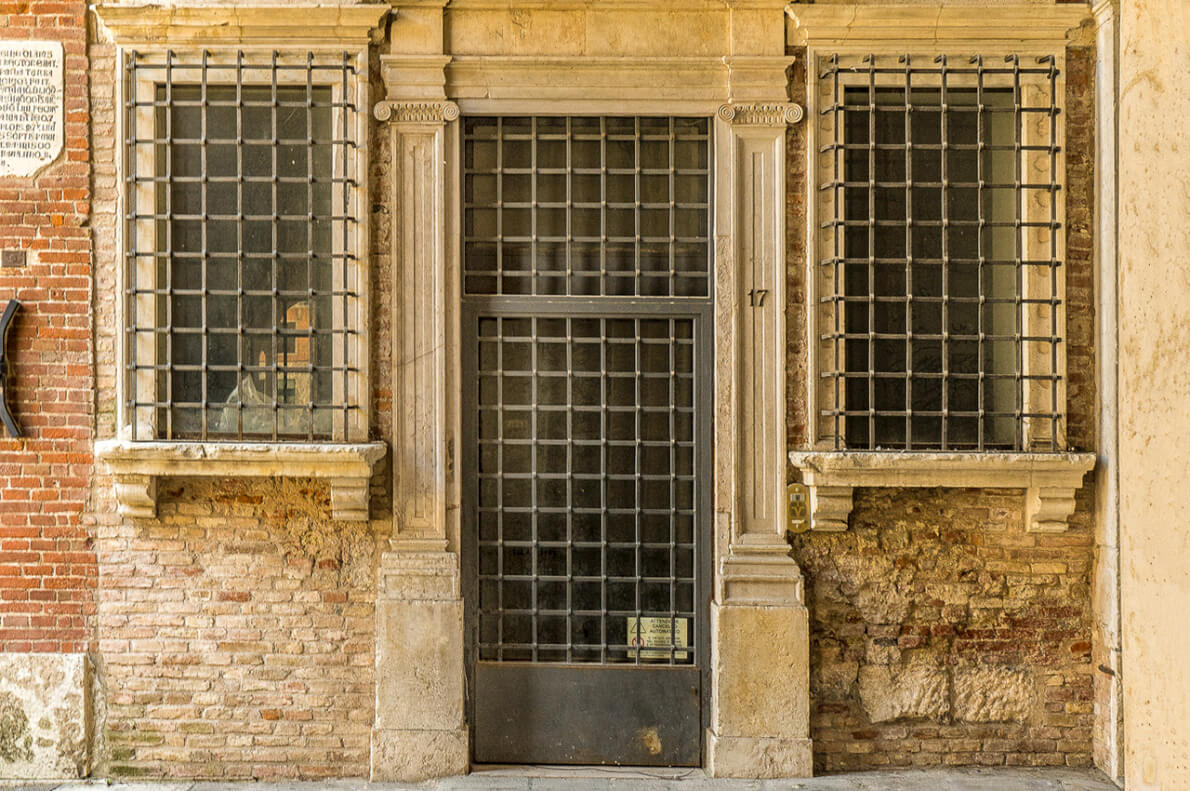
x=586, y=307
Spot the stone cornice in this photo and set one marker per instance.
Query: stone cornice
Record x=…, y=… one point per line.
x=907, y=26
x=306, y=25
x=761, y=114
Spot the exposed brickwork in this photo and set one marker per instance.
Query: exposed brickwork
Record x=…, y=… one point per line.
x=926, y=583
x=47, y=566
x=236, y=632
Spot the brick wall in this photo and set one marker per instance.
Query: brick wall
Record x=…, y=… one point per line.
x=941, y=632
x=236, y=630
x=47, y=566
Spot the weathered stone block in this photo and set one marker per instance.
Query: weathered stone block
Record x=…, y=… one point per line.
x=410, y=756
x=419, y=665
x=914, y=692
x=763, y=683
x=993, y=694
x=44, y=718
x=758, y=758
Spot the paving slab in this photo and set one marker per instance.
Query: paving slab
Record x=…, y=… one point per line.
x=544, y=778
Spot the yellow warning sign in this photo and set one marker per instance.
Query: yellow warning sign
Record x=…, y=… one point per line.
x=653, y=637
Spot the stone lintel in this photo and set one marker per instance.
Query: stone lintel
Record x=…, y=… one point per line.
x=1050, y=480
x=226, y=23
x=933, y=25
x=136, y=466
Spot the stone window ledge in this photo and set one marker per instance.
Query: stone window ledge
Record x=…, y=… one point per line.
x=1049, y=480
x=136, y=466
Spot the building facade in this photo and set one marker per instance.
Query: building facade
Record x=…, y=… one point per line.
x=773, y=388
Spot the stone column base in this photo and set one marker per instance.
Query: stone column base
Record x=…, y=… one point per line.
x=758, y=758
x=414, y=756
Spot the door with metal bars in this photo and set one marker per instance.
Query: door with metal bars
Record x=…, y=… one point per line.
x=586, y=326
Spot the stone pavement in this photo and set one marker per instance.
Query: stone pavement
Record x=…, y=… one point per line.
x=621, y=779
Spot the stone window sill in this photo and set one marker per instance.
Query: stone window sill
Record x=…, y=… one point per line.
x=136, y=466
x=1049, y=480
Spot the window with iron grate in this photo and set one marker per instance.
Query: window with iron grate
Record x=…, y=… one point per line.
x=939, y=275
x=242, y=295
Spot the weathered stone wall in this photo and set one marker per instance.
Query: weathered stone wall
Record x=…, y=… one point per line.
x=941, y=632
x=1154, y=382
x=236, y=630
x=47, y=568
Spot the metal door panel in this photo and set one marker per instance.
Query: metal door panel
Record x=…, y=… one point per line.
x=552, y=713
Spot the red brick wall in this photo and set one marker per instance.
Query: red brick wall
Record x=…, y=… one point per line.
x=47, y=566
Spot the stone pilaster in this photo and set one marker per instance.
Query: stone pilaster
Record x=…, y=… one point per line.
x=759, y=624
x=420, y=730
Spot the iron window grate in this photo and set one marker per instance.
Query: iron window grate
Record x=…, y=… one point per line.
x=240, y=221
x=939, y=310
x=586, y=206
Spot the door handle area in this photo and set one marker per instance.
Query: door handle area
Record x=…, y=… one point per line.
x=10, y=423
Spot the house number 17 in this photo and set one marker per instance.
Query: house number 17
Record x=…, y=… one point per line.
x=756, y=296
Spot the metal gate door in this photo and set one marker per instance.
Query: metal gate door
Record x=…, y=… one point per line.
x=586, y=497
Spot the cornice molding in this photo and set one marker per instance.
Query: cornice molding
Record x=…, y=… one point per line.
x=416, y=112
x=761, y=114
x=240, y=24
x=603, y=5
x=935, y=24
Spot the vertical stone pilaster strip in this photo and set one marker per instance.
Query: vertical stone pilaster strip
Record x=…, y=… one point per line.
x=760, y=721
x=419, y=345
x=420, y=730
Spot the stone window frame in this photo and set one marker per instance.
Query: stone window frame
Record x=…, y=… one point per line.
x=346, y=463
x=825, y=479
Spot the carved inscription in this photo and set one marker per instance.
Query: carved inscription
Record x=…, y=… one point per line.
x=30, y=106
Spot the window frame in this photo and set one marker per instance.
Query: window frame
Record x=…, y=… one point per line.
x=352, y=385
x=1037, y=434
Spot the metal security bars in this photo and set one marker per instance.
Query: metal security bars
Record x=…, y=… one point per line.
x=939, y=273
x=586, y=258
x=587, y=484
x=587, y=206
x=241, y=217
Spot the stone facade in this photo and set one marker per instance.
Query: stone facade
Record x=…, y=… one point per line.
x=244, y=632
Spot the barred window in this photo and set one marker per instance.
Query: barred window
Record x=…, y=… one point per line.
x=939, y=253
x=242, y=298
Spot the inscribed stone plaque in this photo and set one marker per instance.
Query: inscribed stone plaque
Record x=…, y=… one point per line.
x=30, y=105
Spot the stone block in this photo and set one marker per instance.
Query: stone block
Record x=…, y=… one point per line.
x=44, y=716
x=419, y=665
x=761, y=666
x=913, y=692
x=993, y=694
x=758, y=758
x=411, y=756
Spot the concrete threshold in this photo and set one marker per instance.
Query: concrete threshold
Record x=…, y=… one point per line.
x=611, y=778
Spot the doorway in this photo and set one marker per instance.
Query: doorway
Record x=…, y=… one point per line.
x=587, y=252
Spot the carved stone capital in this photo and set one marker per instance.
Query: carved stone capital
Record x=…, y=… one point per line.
x=761, y=114
x=416, y=112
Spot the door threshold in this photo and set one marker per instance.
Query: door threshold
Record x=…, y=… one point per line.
x=562, y=770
